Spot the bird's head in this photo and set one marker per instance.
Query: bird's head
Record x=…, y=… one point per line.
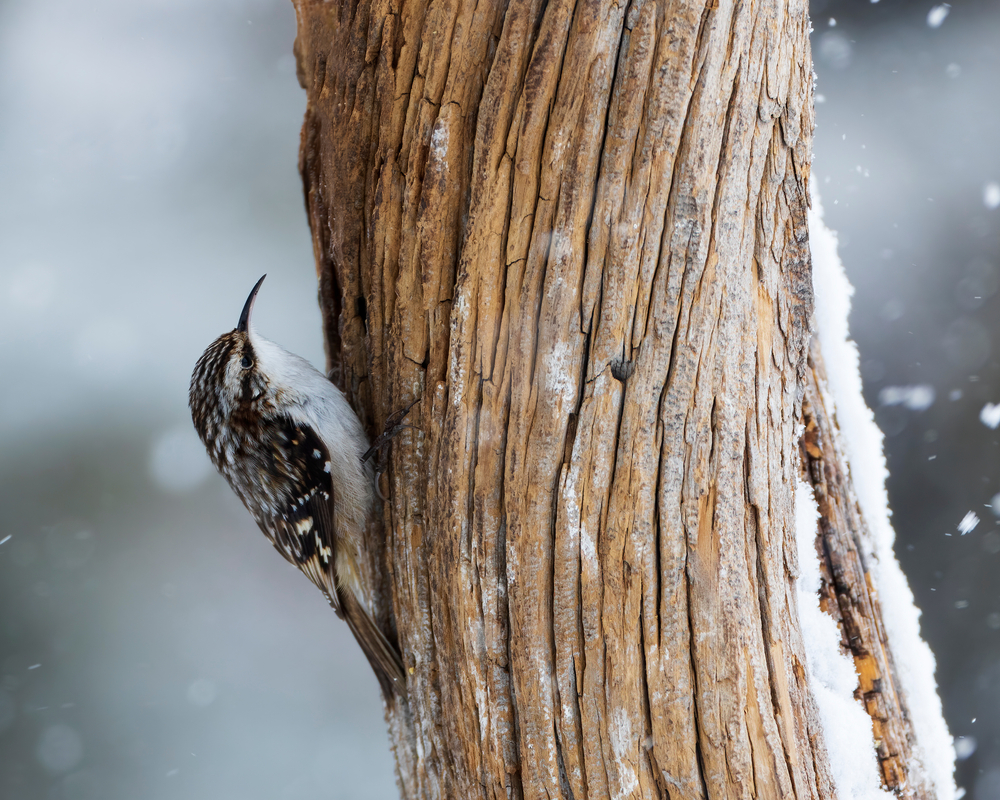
x=229, y=381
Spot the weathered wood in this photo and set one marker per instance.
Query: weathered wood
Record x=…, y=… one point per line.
x=846, y=591
x=575, y=231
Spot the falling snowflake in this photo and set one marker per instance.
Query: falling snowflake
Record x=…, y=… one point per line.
x=991, y=195
x=937, y=14
x=968, y=523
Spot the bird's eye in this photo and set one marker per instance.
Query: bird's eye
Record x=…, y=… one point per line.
x=247, y=362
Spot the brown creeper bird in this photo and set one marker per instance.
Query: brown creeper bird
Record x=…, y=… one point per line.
x=292, y=449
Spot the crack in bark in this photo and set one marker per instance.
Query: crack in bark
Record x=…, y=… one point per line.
x=699, y=756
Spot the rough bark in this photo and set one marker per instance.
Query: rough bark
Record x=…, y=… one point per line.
x=575, y=232
x=847, y=592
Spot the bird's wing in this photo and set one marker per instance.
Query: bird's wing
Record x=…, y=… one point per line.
x=302, y=530
x=301, y=524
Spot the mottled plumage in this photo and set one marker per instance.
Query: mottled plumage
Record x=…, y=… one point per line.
x=291, y=447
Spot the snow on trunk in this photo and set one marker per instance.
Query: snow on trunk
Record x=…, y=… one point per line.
x=831, y=672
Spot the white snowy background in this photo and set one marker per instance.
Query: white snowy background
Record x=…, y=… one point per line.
x=151, y=644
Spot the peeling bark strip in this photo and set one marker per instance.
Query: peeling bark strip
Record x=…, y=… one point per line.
x=847, y=593
x=576, y=231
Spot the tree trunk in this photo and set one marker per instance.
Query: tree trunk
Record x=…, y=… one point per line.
x=575, y=232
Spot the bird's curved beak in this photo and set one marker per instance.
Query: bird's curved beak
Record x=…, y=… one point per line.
x=244, y=325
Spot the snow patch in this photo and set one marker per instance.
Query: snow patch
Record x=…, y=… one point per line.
x=861, y=440
x=832, y=678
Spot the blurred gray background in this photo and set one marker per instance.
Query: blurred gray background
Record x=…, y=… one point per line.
x=152, y=644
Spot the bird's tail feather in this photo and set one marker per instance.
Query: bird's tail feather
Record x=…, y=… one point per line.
x=381, y=653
